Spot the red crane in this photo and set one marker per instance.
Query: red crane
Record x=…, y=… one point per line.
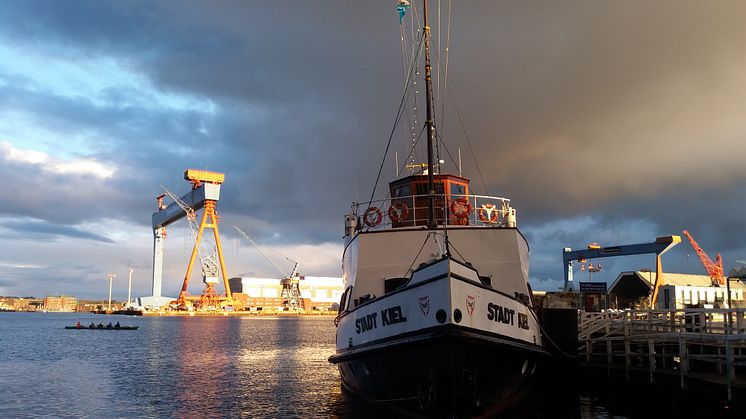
x=714, y=269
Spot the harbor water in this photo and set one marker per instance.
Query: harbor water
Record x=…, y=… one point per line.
x=258, y=367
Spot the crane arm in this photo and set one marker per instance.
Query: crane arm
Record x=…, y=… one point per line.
x=659, y=246
x=243, y=233
x=713, y=269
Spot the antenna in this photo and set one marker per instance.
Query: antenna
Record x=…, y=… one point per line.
x=459, y=161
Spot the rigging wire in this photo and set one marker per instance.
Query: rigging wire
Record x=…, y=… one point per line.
x=411, y=118
x=418, y=254
x=468, y=141
x=399, y=114
x=445, y=76
x=258, y=249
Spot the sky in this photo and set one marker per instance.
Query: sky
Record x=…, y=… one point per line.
x=607, y=122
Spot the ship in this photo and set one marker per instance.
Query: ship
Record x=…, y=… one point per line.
x=437, y=315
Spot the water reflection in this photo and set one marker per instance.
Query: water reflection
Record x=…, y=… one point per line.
x=202, y=367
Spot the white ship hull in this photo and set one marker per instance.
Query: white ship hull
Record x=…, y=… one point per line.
x=446, y=338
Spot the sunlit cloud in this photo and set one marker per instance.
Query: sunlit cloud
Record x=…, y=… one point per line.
x=59, y=166
x=19, y=265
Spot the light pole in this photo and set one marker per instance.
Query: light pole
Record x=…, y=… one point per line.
x=129, y=289
x=111, y=276
x=730, y=307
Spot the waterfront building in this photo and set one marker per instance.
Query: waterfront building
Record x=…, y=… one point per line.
x=319, y=292
x=60, y=303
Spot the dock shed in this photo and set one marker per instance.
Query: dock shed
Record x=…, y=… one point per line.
x=676, y=291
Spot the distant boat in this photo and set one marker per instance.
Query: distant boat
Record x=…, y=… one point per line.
x=129, y=311
x=102, y=328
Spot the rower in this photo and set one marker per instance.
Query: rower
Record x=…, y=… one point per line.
x=116, y=326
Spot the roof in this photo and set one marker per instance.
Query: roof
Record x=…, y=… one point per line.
x=675, y=279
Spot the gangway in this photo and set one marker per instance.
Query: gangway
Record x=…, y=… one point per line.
x=660, y=246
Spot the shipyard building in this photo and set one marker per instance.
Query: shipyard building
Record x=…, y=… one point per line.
x=676, y=291
x=321, y=293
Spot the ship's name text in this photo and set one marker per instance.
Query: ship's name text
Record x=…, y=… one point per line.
x=506, y=315
x=389, y=316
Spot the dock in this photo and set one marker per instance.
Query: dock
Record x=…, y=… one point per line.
x=687, y=347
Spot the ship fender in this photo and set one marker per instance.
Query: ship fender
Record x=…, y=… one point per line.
x=460, y=208
x=374, y=212
x=488, y=213
x=398, y=211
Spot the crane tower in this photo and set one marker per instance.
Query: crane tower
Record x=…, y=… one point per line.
x=204, y=194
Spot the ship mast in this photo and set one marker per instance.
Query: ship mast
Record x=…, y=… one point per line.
x=429, y=123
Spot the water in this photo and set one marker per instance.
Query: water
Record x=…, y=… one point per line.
x=169, y=367
x=257, y=367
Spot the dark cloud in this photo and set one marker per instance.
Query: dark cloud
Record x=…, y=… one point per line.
x=628, y=114
x=33, y=229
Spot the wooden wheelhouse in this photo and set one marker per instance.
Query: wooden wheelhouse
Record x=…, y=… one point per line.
x=409, y=199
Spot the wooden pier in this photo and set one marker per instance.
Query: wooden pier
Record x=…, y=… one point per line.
x=706, y=347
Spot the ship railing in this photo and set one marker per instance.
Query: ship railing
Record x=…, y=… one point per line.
x=453, y=209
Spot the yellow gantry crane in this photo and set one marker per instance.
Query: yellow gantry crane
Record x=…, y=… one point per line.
x=204, y=195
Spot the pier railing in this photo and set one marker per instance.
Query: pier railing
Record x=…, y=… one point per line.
x=703, y=344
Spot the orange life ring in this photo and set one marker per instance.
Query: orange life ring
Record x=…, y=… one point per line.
x=488, y=213
x=460, y=208
x=398, y=211
x=378, y=216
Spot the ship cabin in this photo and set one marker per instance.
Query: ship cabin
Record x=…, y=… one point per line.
x=409, y=198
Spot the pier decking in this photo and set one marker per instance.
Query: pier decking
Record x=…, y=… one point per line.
x=702, y=346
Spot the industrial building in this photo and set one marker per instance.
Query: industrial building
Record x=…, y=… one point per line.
x=318, y=292
x=60, y=303
x=676, y=291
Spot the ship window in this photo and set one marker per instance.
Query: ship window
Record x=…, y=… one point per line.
x=391, y=284
x=343, y=300
x=458, y=189
x=486, y=280
x=421, y=188
x=403, y=190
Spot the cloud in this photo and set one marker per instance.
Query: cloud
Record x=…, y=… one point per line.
x=602, y=122
x=43, y=230
x=78, y=167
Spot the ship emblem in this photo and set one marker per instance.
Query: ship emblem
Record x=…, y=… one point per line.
x=425, y=305
x=470, y=304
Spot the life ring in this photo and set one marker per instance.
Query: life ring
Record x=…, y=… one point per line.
x=460, y=208
x=378, y=216
x=398, y=211
x=488, y=213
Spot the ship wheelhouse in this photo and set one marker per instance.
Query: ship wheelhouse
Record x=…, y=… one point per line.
x=409, y=200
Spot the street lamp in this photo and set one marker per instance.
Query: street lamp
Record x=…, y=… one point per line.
x=111, y=276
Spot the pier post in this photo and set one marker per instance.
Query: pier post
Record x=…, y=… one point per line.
x=683, y=361
x=627, y=360
x=609, y=351
x=651, y=359
x=730, y=366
